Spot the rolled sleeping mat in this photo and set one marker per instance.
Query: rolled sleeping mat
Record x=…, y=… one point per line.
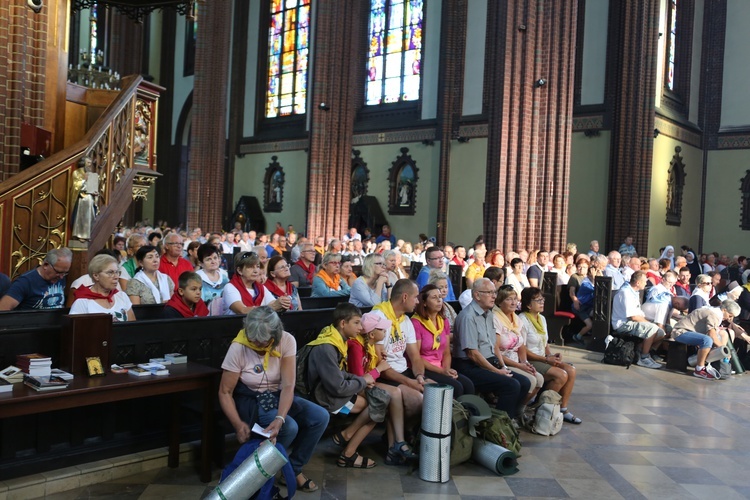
x=435, y=439
x=251, y=475
x=716, y=354
x=736, y=363
x=478, y=408
x=494, y=457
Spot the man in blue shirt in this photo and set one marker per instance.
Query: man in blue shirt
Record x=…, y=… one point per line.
x=43, y=287
x=386, y=235
x=434, y=259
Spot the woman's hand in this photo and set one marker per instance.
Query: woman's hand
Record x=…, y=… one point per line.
x=273, y=429
x=242, y=432
x=526, y=366
x=383, y=366
x=505, y=371
x=370, y=381
x=450, y=372
x=415, y=385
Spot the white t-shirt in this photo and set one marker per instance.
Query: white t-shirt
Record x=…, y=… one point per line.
x=232, y=295
x=118, y=311
x=394, y=351
x=627, y=303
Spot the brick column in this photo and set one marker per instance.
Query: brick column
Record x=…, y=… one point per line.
x=528, y=151
x=451, y=85
x=634, y=35
x=337, y=28
x=208, y=140
x=23, y=49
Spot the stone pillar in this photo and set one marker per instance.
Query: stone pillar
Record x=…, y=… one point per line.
x=205, y=202
x=634, y=35
x=337, y=28
x=530, y=63
x=23, y=50
x=451, y=85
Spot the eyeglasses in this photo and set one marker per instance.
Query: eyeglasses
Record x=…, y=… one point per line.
x=282, y=268
x=540, y=300
x=488, y=292
x=173, y=243
x=435, y=258
x=110, y=273
x=59, y=273
x=378, y=263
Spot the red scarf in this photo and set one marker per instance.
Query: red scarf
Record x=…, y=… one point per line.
x=310, y=271
x=457, y=261
x=278, y=292
x=179, y=305
x=84, y=292
x=248, y=299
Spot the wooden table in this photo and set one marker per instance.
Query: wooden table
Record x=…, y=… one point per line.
x=85, y=391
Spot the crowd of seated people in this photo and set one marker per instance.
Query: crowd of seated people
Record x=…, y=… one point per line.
x=375, y=366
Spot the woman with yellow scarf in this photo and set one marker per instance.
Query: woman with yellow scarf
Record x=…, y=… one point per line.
x=433, y=340
x=559, y=376
x=328, y=282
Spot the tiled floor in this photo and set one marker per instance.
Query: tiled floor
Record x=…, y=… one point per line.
x=646, y=434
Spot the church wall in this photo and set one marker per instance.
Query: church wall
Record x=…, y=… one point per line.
x=183, y=85
x=154, y=44
x=594, y=52
x=427, y=158
x=251, y=70
x=468, y=173
x=589, y=177
x=735, y=106
x=722, y=231
x=248, y=181
x=695, y=67
x=474, y=60
x=661, y=234
x=431, y=60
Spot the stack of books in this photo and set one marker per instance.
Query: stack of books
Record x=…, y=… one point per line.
x=154, y=368
x=12, y=374
x=56, y=372
x=42, y=384
x=37, y=365
x=176, y=358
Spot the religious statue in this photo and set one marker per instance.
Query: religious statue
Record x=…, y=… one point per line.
x=83, y=192
x=403, y=194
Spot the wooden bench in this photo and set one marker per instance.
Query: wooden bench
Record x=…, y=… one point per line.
x=601, y=316
x=556, y=320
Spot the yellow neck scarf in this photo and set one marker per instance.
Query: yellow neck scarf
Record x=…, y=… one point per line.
x=387, y=309
x=435, y=330
x=269, y=351
x=537, y=322
x=746, y=286
x=509, y=323
x=330, y=335
x=372, y=355
x=332, y=282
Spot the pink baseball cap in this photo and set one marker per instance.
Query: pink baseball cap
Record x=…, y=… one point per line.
x=371, y=321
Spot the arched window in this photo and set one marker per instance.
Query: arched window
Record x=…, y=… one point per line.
x=677, y=35
x=288, y=53
x=395, y=51
x=671, y=53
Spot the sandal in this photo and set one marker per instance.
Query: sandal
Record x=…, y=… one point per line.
x=308, y=486
x=351, y=462
x=392, y=458
x=398, y=450
x=339, y=440
x=571, y=419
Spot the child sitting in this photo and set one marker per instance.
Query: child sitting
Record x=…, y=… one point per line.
x=186, y=301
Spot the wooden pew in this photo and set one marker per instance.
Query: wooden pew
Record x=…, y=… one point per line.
x=602, y=313
x=414, y=269
x=455, y=275
x=322, y=302
x=556, y=320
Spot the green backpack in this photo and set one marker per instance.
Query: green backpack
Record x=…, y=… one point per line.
x=300, y=386
x=461, y=441
x=499, y=429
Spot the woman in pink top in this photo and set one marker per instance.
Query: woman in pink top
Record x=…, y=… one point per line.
x=433, y=341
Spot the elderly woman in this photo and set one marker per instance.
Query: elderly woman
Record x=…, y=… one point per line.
x=432, y=331
x=390, y=258
x=440, y=280
x=559, y=376
x=495, y=258
x=245, y=290
x=262, y=253
x=372, y=287
x=511, y=344
x=149, y=285
x=701, y=294
x=278, y=284
x=559, y=267
x=328, y=281
x=257, y=386
x=347, y=270
x=517, y=278
x=103, y=296
x=213, y=278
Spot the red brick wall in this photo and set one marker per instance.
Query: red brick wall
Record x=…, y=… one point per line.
x=23, y=46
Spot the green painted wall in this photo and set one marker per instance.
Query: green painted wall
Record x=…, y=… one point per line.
x=468, y=175
x=248, y=181
x=722, y=231
x=660, y=234
x=589, y=175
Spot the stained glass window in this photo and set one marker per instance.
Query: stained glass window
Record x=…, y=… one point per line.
x=395, y=52
x=93, y=33
x=671, y=43
x=288, y=52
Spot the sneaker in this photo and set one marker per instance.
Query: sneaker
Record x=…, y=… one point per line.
x=647, y=362
x=703, y=374
x=577, y=339
x=657, y=358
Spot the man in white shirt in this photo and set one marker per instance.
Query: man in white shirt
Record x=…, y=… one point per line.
x=594, y=249
x=613, y=270
x=351, y=235
x=629, y=319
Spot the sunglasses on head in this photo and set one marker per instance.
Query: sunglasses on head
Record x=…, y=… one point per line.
x=506, y=288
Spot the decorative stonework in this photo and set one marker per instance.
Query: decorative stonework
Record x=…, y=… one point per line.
x=473, y=130
x=581, y=123
x=395, y=137
x=678, y=132
x=675, y=186
x=273, y=147
x=734, y=142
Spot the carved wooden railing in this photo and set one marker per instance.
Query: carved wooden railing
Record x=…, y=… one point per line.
x=35, y=205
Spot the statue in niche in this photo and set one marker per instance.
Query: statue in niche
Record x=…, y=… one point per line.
x=403, y=176
x=83, y=193
x=403, y=194
x=360, y=177
x=675, y=187
x=273, y=198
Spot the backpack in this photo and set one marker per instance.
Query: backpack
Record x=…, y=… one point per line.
x=547, y=419
x=620, y=352
x=499, y=429
x=300, y=384
x=461, y=441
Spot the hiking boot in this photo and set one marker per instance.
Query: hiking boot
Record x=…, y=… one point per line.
x=647, y=362
x=703, y=374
